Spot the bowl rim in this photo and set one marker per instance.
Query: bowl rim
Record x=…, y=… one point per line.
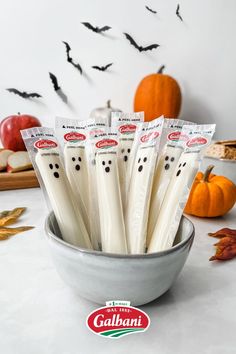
x=55, y=238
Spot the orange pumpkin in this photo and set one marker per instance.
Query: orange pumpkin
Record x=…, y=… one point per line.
x=158, y=94
x=211, y=195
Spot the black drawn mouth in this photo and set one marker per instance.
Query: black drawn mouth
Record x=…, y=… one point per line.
x=125, y=158
x=167, y=166
x=77, y=167
x=107, y=169
x=140, y=168
x=56, y=174
x=178, y=173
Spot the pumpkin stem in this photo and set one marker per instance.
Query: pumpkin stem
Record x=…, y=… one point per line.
x=207, y=173
x=160, y=71
x=18, y=113
x=109, y=104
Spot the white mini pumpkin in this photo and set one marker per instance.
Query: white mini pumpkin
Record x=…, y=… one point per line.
x=104, y=112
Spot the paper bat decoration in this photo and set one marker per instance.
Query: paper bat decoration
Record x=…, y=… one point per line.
x=140, y=48
x=57, y=88
x=102, y=68
x=23, y=94
x=96, y=29
x=149, y=9
x=178, y=14
x=70, y=60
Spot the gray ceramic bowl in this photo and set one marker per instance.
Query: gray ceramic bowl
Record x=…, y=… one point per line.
x=100, y=277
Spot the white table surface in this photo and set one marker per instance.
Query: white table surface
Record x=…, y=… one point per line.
x=41, y=315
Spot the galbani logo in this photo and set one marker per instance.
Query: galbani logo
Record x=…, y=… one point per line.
x=127, y=129
x=106, y=143
x=149, y=137
x=117, y=321
x=174, y=136
x=74, y=136
x=197, y=141
x=45, y=144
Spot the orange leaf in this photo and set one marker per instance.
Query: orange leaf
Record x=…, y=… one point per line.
x=223, y=232
x=225, y=249
x=8, y=217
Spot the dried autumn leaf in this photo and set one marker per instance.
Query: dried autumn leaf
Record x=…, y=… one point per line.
x=223, y=233
x=6, y=232
x=8, y=217
x=225, y=249
x=3, y=237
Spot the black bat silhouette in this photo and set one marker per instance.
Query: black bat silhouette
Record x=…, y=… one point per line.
x=102, y=68
x=24, y=94
x=140, y=48
x=70, y=60
x=54, y=82
x=149, y=9
x=178, y=14
x=96, y=29
x=57, y=87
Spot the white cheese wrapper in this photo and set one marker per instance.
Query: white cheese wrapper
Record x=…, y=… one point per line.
x=126, y=125
x=72, y=136
x=166, y=164
x=145, y=153
x=199, y=136
x=94, y=128
x=109, y=196
x=45, y=156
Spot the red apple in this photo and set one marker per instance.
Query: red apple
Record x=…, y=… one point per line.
x=10, y=130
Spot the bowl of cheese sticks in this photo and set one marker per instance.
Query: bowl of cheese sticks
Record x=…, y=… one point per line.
x=116, y=195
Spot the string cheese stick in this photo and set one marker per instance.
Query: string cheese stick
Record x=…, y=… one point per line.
x=164, y=171
x=76, y=170
x=138, y=201
x=110, y=205
x=59, y=192
x=176, y=194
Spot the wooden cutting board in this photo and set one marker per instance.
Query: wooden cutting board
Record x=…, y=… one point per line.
x=18, y=180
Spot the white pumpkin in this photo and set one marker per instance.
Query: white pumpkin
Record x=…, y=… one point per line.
x=104, y=112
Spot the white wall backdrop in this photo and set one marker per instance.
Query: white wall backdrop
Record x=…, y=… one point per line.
x=200, y=53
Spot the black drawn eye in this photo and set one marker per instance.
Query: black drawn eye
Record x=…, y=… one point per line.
x=184, y=163
x=103, y=162
x=56, y=165
x=122, y=151
x=73, y=159
x=180, y=165
x=128, y=151
x=79, y=158
x=51, y=166
x=172, y=159
x=166, y=158
x=139, y=160
x=109, y=162
x=145, y=159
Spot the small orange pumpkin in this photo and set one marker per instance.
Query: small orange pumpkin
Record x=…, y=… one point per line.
x=158, y=94
x=210, y=195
